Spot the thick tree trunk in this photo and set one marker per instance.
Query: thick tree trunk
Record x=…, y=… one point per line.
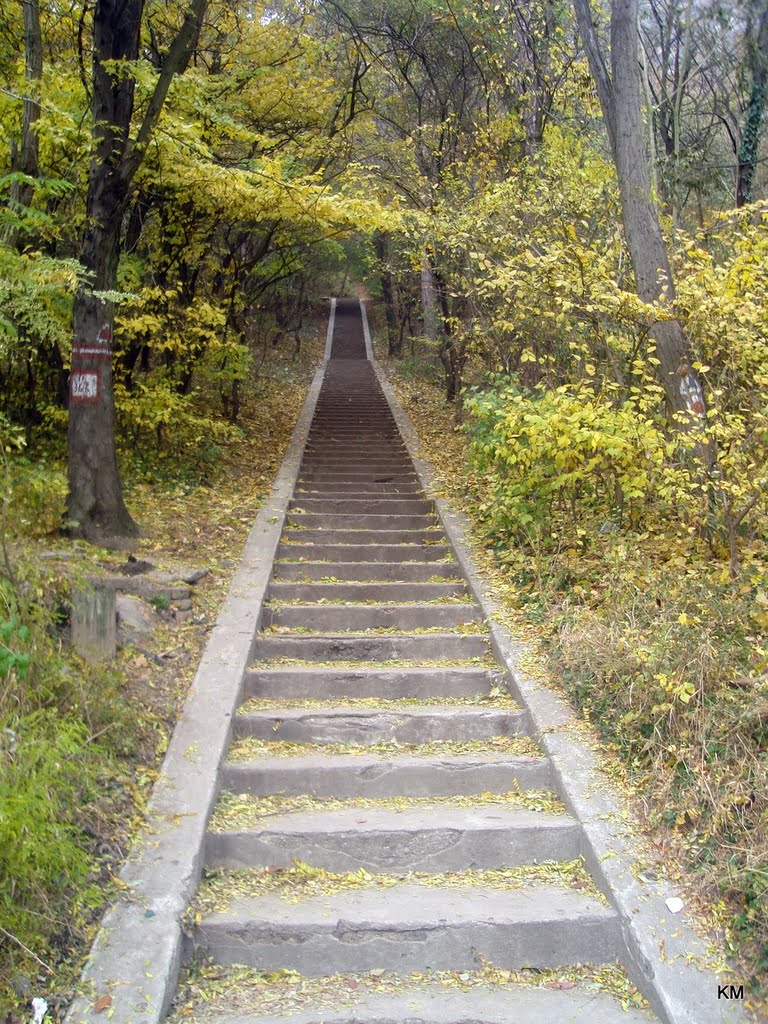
x=95, y=506
x=620, y=99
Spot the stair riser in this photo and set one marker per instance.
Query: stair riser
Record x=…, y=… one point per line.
x=395, y=851
x=355, y=506
x=366, y=571
x=373, y=648
x=417, y=684
x=364, y=552
x=308, y=535
x=347, y=489
x=310, y=593
x=343, y=948
x=362, y=521
x=343, y=618
x=385, y=778
x=383, y=727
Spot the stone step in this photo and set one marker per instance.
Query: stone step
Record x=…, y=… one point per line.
x=424, y=838
x=364, y=552
x=374, y=776
x=355, y=449
x=360, y=475
x=336, y=617
x=294, y=533
x=313, y=593
x=366, y=506
x=352, y=489
x=305, y=681
x=413, y=928
x=356, y=1003
x=414, y=724
x=381, y=492
x=374, y=647
x=362, y=520
x=402, y=572
x=366, y=461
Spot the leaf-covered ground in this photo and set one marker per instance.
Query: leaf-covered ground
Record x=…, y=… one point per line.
x=631, y=628
x=195, y=515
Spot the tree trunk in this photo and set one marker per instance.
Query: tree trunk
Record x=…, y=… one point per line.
x=394, y=340
x=753, y=117
x=95, y=506
x=28, y=160
x=428, y=301
x=620, y=100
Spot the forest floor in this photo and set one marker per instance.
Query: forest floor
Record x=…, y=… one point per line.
x=583, y=615
x=192, y=514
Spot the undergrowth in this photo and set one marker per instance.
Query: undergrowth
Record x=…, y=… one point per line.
x=80, y=744
x=662, y=650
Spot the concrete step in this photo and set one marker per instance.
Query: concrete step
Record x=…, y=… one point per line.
x=356, y=1003
x=362, y=520
x=352, y=489
x=436, y=838
x=359, y=475
x=366, y=506
x=313, y=593
x=363, y=552
x=295, y=533
x=413, y=928
x=373, y=648
x=344, y=617
x=403, y=572
x=298, y=681
x=414, y=724
x=344, y=461
x=381, y=492
x=373, y=775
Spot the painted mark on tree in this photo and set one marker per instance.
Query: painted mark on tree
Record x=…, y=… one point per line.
x=84, y=387
x=101, y=348
x=690, y=389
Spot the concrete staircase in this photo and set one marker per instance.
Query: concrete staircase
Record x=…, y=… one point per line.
x=376, y=737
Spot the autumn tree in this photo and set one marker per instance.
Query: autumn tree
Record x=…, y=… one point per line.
x=620, y=99
x=95, y=506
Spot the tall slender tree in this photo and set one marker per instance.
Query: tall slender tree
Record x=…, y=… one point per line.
x=620, y=99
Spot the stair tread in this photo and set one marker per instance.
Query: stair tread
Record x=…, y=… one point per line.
x=425, y=817
x=409, y=905
x=416, y=1004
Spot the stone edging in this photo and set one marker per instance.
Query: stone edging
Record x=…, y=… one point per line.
x=136, y=957
x=656, y=942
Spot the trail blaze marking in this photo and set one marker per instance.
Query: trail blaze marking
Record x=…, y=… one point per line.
x=84, y=387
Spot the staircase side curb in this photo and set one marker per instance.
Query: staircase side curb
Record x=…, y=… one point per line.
x=664, y=956
x=140, y=936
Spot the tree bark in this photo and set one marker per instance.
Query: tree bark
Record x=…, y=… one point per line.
x=27, y=161
x=753, y=116
x=620, y=99
x=95, y=506
x=428, y=301
x=394, y=340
